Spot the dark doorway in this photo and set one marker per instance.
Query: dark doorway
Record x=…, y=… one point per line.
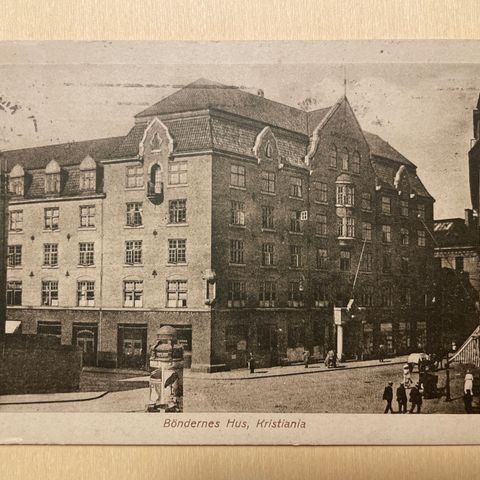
x=85, y=337
x=132, y=346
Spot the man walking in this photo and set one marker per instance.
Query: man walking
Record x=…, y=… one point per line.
x=402, y=399
x=388, y=397
x=416, y=398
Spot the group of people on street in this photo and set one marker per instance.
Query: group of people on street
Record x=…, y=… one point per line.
x=401, y=396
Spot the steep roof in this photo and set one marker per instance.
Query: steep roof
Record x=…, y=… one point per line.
x=64, y=153
x=451, y=232
x=380, y=148
x=204, y=95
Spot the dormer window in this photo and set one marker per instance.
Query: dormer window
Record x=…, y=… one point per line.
x=88, y=174
x=52, y=177
x=156, y=142
x=16, y=183
x=268, y=150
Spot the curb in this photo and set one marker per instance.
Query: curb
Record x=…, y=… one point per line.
x=306, y=372
x=103, y=394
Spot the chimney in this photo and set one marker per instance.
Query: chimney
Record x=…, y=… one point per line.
x=469, y=217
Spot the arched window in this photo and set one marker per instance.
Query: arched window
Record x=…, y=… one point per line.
x=156, y=142
x=156, y=183
x=88, y=174
x=16, y=182
x=268, y=150
x=52, y=177
x=387, y=296
x=333, y=156
x=356, y=162
x=344, y=157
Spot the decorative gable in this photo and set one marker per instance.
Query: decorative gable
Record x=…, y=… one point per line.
x=266, y=147
x=401, y=181
x=156, y=139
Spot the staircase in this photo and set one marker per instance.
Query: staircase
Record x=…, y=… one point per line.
x=469, y=352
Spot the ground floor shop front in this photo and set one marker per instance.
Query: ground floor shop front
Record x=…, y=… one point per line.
x=220, y=340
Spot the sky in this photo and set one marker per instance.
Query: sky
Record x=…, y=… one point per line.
x=419, y=98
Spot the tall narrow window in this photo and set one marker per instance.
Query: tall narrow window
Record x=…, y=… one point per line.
x=267, y=217
x=15, y=223
x=133, y=293
x=386, y=233
x=421, y=239
x=295, y=294
x=268, y=258
x=236, y=252
x=346, y=227
x=332, y=155
x=356, y=162
x=133, y=252
x=404, y=208
x=177, y=210
x=237, y=213
x=14, y=293
x=52, y=177
x=387, y=296
x=88, y=180
x=16, y=185
x=321, y=295
x=50, y=293
x=366, y=201
x=14, y=258
x=387, y=262
x=177, y=250
x=345, y=160
x=267, y=294
x=268, y=182
x=51, y=218
x=421, y=211
x=156, y=142
x=134, y=176
x=177, y=293
x=367, y=231
x=177, y=173
x=386, y=205
x=404, y=265
x=295, y=221
x=367, y=262
x=237, y=176
x=320, y=192
x=85, y=293
x=296, y=187
x=404, y=236
x=236, y=294
x=345, y=195
x=50, y=255
x=87, y=216
x=345, y=260
x=366, y=299
x=155, y=184
x=321, y=224
x=86, y=254
x=322, y=258
x=295, y=256
x=134, y=214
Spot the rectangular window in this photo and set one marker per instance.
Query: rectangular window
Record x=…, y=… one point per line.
x=86, y=253
x=346, y=227
x=404, y=236
x=236, y=294
x=322, y=258
x=133, y=252
x=236, y=251
x=133, y=293
x=321, y=295
x=387, y=296
x=177, y=173
x=421, y=211
x=321, y=192
x=366, y=202
x=177, y=250
x=386, y=205
x=345, y=195
x=295, y=223
x=345, y=261
x=88, y=180
x=16, y=221
x=87, y=216
x=50, y=293
x=51, y=218
x=459, y=264
x=367, y=262
x=421, y=239
x=177, y=292
x=134, y=214
x=406, y=296
x=386, y=233
x=268, y=258
x=404, y=208
x=16, y=186
x=52, y=183
x=295, y=256
x=14, y=258
x=85, y=294
x=367, y=231
x=295, y=294
x=321, y=224
x=296, y=187
x=50, y=254
x=14, y=293
x=267, y=217
x=177, y=211
x=404, y=265
x=134, y=176
x=268, y=182
x=387, y=262
x=237, y=176
x=268, y=294
x=366, y=299
x=237, y=213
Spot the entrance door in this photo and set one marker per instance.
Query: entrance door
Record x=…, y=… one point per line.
x=85, y=337
x=132, y=346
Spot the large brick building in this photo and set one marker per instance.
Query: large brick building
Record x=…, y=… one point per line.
x=239, y=220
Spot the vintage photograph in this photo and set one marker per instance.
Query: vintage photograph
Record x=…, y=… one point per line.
x=218, y=235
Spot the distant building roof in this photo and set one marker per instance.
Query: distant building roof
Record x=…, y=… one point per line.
x=453, y=232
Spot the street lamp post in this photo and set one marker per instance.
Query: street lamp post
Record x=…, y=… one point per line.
x=447, y=373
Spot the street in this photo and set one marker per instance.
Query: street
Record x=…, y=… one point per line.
x=316, y=390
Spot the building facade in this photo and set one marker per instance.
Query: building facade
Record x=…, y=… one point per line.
x=241, y=221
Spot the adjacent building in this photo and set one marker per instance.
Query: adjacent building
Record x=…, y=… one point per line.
x=241, y=221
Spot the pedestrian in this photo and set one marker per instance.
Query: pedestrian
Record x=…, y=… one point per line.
x=381, y=353
x=251, y=362
x=388, y=397
x=402, y=398
x=407, y=376
x=306, y=357
x=467, y=400
x=416, y=398
x=468, y=382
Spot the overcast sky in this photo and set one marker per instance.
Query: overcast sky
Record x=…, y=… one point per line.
x=67, y=92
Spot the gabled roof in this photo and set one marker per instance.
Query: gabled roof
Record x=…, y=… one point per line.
x=380, y=148
x=65, y=153
x=453, y=232
x=205, y=95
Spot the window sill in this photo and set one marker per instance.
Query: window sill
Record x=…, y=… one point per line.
x=296, y=268
x=319, y=202
x=87, y=229
x=183, y=224
x=237, y=265
x=269, y=194
x=133, y=227
x=321, y=235
x=296, y=233
x=176, y=264
x=50, y=267
x=269, y=267
x=134, y=265
x=86, y=266
x=234, y=225
x=51, y=230
x=135, y=189
x=269, y=230
x=177, y=185
x=16, y=232
x=235, y=187
x=14, y=267
x=291, y=197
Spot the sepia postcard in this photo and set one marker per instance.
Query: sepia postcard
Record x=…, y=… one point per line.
x=240, y=242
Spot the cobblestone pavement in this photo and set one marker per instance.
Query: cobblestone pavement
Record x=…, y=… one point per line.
x=353, y=390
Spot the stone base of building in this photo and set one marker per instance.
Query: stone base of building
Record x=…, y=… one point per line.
x=221, y=367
